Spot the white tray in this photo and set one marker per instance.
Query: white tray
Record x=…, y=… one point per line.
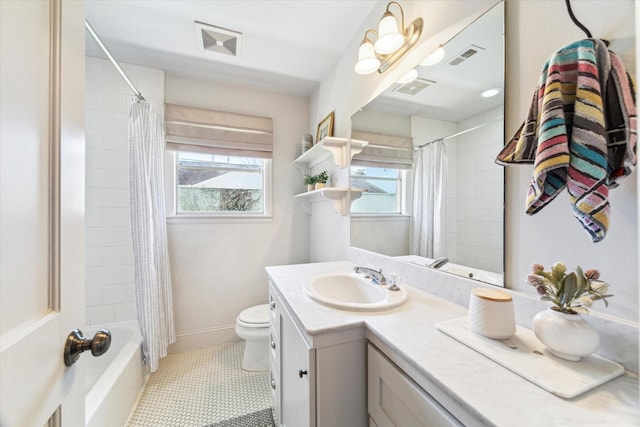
x=526, y=356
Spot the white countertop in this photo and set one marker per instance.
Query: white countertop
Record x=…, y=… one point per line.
x=488, y=391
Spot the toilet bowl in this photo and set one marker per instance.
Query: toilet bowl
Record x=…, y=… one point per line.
x=252, y=325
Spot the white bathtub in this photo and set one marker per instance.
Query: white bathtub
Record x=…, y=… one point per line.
x=114, y=380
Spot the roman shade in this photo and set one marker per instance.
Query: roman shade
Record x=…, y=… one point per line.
x=384, y=151
x=218, y=132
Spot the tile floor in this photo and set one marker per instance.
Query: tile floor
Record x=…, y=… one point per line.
x=205, y=387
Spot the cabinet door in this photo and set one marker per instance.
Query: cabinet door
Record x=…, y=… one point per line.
x=396, y=401
x=297, y=375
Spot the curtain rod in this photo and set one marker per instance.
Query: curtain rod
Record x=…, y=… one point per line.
x=458, y=133
x=113, y=61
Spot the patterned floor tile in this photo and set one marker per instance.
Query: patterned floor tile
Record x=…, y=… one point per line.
x=201, y=388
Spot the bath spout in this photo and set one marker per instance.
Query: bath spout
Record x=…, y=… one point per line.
x=438, y=262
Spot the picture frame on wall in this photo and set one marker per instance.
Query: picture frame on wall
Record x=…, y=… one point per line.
x=325, y=127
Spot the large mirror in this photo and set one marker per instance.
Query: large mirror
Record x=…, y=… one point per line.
x=434, y=195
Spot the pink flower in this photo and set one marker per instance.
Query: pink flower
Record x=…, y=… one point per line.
x=541, y=289
x=592, y=274
x=535, y=280
x=537, y=267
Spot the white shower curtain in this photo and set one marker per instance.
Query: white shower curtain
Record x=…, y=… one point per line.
x=154, y=302
x=429, y=195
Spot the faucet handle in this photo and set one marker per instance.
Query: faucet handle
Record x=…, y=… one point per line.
x=393, y=283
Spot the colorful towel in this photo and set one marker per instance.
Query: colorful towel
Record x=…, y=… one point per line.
x=565, y=134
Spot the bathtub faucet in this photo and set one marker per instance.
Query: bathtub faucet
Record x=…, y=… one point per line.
x=376, y=276
x=438, y=262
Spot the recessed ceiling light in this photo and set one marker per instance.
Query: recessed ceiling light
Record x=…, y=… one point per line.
x=490, y=92
x=409, y=77
x=434, y=58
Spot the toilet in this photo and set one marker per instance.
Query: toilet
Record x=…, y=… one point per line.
x=252, y=325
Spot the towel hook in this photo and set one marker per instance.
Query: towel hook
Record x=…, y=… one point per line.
x=580, y=24
x=575, y=20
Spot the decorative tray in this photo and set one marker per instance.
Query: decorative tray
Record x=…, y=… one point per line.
x=526, y=356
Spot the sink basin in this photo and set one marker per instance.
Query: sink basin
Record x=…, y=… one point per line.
x=349, y=291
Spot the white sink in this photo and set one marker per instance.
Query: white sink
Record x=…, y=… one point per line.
x=348, y=291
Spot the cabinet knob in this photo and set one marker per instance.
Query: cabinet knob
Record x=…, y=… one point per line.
x=273, y=305
x=273, y=345
x=273, y=384
x=301, y=373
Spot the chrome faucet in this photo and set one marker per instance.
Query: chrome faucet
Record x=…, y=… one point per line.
x=376, y=276
x=438, y=262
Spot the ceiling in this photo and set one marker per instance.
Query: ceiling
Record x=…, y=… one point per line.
x=287, y=46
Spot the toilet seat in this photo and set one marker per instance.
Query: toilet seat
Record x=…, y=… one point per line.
x=255, y=317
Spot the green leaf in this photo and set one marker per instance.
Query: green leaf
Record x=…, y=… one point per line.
x=570, y=286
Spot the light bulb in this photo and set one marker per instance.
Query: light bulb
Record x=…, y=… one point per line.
x=389, y=38
x=367, y=61
x=490, y=92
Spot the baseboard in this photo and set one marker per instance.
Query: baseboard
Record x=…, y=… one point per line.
x=201, y=338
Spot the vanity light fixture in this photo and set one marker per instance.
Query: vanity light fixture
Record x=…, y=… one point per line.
x=490, y=92
x=393, y=41
x=434, y=58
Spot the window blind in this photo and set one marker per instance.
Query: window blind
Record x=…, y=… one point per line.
x=218, y=132
x=390, y=151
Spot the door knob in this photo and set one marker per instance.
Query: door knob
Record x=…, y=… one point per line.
x=77, y=343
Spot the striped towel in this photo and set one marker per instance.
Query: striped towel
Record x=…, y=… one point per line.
x=565, y=134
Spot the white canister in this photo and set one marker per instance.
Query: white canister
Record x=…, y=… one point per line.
x=491, y=313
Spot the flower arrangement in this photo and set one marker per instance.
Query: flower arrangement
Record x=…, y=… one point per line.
x=570, y=293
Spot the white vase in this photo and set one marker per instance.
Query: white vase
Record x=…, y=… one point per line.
x=567, y=336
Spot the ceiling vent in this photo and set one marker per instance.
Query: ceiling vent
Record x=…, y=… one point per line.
x=219, y=40
x=466, y=54
x=414, y=87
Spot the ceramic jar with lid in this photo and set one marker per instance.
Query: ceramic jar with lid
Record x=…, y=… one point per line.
x=491, y=313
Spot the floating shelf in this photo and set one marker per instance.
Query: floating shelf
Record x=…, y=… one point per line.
x=338, y=195
x=338, y=148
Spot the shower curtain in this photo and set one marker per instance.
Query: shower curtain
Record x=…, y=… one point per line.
x=154, y=302
x=429, y=195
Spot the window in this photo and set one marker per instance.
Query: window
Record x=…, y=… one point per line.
x=384, y=190
x=220, y=184
x=221, y=162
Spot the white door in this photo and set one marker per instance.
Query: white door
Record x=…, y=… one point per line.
x=41, y=210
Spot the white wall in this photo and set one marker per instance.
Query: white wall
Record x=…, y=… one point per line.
x=534, y=30
x=217, y=266
x=109, y=255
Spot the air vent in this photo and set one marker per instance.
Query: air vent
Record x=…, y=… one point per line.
x=414, y=87
x=218, y=40
x=466, y=54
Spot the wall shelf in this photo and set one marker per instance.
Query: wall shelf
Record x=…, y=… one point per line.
x=341, y=149
x=339, y=197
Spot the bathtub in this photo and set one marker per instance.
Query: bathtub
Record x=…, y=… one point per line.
x=114, y=380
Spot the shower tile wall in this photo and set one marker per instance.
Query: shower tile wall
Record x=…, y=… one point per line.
x=109, y=258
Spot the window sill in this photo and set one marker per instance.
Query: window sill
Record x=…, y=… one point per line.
x=218, y=219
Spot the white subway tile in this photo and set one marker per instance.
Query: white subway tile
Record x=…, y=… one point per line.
x=114, y=294
x=100, y=120
x=99, y=236
x=99, y=197
x=100, y=275
x=93, y=256
x=115, y=103
x=93, y=100
x=125, y=312
x=114, y=255
x=102, y=314
x=115, y=139
x=94, y=217
x=122, y=236
x=124, y=273
x=93, y=295
x=99, y=159
x=121, y=198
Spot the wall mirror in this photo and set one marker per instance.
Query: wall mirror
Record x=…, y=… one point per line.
x=449, y=201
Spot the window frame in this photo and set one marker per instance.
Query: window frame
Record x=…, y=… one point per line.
x=402, y=194
x=171, y=196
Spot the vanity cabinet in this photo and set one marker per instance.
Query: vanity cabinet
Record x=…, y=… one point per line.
x=317, y=380
x=394, y=400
